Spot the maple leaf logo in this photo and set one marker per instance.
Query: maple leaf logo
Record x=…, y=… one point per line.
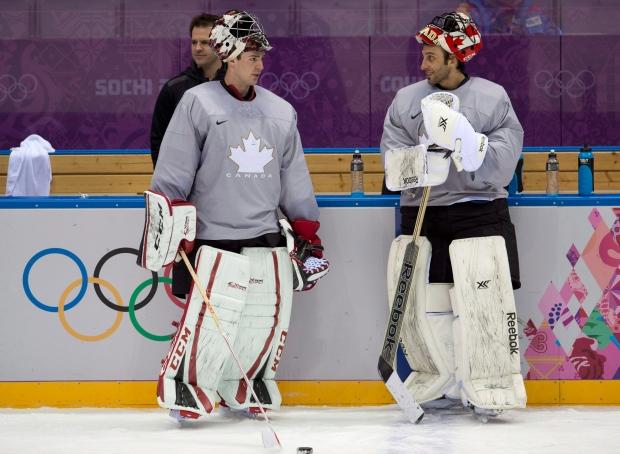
x=249, y=157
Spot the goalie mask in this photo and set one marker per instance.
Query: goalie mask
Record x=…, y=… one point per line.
x=455, y=33
x=236, y=32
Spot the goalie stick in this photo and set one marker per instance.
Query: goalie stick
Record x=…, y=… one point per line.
x=270, y=438
x=386, y=367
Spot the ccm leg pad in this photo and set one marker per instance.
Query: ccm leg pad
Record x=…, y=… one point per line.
x=192, y=369
x=263, y=329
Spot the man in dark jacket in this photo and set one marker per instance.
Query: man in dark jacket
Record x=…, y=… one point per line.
x=205, y=66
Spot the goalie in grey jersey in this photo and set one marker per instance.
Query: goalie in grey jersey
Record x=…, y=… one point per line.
x=230, y=159
x=460, y=332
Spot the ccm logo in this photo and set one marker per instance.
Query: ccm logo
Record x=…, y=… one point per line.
x=276, y=360
x=160, y=228
x=179, y=351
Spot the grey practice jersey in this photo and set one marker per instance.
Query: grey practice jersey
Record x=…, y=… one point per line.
x=487, y=107
x=237, y=161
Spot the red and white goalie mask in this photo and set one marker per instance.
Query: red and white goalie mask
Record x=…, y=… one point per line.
x=236, y=32
x=455, y=33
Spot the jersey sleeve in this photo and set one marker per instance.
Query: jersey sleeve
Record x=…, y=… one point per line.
x=297, y=200
x=394, y=133
x=180, y=151
x=505, y=145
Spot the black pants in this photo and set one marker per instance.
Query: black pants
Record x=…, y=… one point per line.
x=182, y=280
x=443, y=224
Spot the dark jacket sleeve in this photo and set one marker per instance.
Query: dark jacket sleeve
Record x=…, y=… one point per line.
x=164, y=108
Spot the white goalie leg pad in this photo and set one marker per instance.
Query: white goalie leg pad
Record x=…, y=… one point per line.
x=192, y=369
x=412, y=167
x=485, y=331
x=263, y=330
x=427, y=327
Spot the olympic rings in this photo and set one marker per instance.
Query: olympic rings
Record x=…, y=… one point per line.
x=107, y=302
x=97, y=281
x=565, y=82
x=17, y=89
x=41, y=254
x=291, y=84
x=132, y=311
x=84, y=337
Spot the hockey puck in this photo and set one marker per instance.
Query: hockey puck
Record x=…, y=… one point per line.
x=304, y=450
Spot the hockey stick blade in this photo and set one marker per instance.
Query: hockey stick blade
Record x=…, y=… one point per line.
x=401, y=395
x=270, y=439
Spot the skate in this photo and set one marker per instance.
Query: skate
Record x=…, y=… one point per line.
x=483, y=414
x=184, y=417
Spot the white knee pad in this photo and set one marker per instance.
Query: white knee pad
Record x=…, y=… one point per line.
x=427, y=326
x=263, y=329
x=485, y=330
x=192, y=369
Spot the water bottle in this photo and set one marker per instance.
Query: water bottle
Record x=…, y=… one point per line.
x=553, y=168
x=357, y=175
x=585, y=171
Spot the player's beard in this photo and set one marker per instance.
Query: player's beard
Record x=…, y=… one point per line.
x=439, y=75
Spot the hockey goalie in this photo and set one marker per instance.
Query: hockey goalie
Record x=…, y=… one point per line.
x=222, y=176
x=460, y=331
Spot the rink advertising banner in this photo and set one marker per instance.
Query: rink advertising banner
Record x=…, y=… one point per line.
x=78, y=309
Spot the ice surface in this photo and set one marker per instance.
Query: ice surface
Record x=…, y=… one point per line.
x=329, y=430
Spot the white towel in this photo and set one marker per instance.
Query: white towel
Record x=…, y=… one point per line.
x=30, y=171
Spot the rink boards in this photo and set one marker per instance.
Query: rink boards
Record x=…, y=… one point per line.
x=104, y=345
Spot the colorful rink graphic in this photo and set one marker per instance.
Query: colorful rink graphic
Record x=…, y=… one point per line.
x=577, y=332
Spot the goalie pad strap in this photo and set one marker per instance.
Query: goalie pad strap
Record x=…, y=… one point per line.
x=485, y=330
x=193, y=367
x=263, y=330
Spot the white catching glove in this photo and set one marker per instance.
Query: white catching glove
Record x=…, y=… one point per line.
x=412, y=167
x=451, y=130
x=168, y=226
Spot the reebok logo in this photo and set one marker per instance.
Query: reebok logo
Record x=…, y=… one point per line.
x=483, y=285
x=513, y=336
x=443, y=123
x=219, y=122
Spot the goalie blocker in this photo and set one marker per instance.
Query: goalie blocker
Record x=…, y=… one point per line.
x=462, y=341
x=167, y=226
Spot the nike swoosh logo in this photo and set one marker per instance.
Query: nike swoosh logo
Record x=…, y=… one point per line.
x=219, y=122
x=413, y=117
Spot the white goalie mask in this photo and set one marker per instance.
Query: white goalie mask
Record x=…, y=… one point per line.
x=236, y=32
